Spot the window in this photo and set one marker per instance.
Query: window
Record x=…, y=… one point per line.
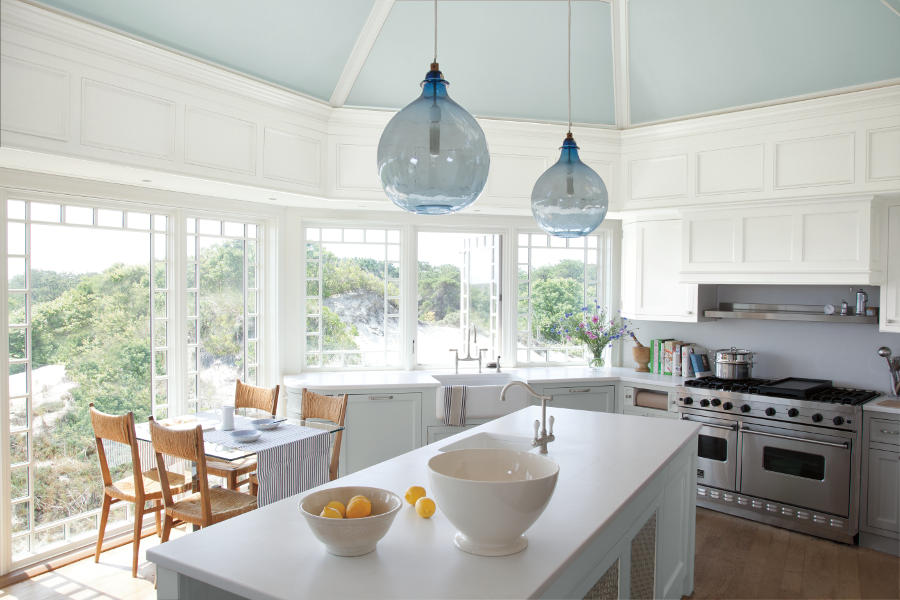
x=88, y=322
x=556, y=275
x=352, y=297
x=458, y=295
x=223, y=325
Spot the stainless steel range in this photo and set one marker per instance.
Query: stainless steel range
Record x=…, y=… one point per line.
x=785, y=452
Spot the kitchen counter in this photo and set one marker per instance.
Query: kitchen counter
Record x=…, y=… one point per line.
x=398, y=380
x=884, y=404
x=618, y=476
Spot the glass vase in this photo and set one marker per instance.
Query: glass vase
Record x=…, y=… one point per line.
x=597, y=362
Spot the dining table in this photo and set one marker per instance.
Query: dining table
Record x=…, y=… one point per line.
x=291, y=458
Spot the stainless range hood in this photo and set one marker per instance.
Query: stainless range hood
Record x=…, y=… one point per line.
x=782, y=312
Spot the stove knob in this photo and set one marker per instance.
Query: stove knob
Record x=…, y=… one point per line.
x=745, y=408
x=793, y=412
x=838, y=420
x=716, y=402
x=728, y=406
x=688, y=401
x=816, y=418
x=704, y=402
x=770, y=412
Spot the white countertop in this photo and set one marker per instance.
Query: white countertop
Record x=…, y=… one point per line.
x=270, y=553
x=878, y=406
x=368, y=380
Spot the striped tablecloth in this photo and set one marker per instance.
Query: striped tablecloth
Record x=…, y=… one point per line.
x=290, y=459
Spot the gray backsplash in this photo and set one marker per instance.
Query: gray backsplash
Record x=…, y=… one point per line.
x=843, y=353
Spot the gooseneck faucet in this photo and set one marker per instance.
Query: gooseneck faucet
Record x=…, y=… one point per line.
x=544, y=438
x=894, y=366
x=470, y=333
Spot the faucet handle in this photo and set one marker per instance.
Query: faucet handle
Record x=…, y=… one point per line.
x=551, y=424
x=537, y=427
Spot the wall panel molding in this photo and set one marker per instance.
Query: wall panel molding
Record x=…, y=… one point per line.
x=814, y=161
x=658, y=177
x=729, y=170
x=219, y=141
x=883, y=154
x=292, y=157
x=42, y=111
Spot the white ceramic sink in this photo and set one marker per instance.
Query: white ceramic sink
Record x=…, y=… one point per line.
x=483, y=394
x=492, y=496
x=491, y=440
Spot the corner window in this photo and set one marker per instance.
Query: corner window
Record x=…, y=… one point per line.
x=352, y=297
x=556, y=275
x=458, y=296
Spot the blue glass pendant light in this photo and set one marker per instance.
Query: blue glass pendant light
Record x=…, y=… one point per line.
x=433, y=157
x=569, y=199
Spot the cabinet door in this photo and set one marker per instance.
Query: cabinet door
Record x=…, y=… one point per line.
x=597, y=398
x=890, y=290
x=379, y=427
x=650, y=273
x=884, y=490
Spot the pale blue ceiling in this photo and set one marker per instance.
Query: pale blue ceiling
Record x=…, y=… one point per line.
x=694, y=56
x=506, y=58
x=502, y=58
x=298, y=44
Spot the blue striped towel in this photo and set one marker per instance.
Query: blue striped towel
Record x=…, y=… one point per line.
x=455, y=405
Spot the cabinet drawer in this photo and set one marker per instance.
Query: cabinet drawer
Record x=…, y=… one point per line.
x=583, y=397
x=886, y=432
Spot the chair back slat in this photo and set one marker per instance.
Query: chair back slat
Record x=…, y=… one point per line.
x=186, y=444
x=331, y=408
x=117, y=429
x=251, y=396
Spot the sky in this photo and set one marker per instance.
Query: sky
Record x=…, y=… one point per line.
x=80, y=249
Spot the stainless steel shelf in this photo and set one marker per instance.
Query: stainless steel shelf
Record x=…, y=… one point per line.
x=783, y=312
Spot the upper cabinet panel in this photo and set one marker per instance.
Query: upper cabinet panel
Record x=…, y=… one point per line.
x=301, y=45
x=697, y=56
x=502, y=59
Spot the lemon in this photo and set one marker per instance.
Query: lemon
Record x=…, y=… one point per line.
x=338, y=506
x=425, y=507
x=414, y=493
x=331, y=513
x=358, y=507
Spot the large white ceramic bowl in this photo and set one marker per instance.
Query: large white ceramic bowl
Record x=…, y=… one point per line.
x=492, y=495
x=351, y=537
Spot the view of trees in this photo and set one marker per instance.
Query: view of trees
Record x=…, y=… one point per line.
x=555, y=289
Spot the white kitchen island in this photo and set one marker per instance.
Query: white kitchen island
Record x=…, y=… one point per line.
x=620, y=524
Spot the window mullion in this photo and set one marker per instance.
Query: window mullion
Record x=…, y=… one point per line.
x=177, y=244
x=5, y=481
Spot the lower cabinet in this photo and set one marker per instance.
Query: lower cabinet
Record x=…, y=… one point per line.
x=379, y=426
x=583, y=397
x=884, y=490
x=879, y=515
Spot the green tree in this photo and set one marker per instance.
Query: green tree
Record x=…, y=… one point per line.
x=550, y=298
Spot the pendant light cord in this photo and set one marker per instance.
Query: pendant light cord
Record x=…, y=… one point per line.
x=569, y=67
x=435, y=30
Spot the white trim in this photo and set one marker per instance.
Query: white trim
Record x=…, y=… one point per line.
x=621, y=85
x=891, y=7
x=5, y=504
x=361, y=49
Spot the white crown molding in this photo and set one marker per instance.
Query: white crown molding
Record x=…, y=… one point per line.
x=48, y=24
x=361, y=49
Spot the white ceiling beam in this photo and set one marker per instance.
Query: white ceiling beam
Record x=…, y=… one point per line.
x=621, y=91
x=361, y=49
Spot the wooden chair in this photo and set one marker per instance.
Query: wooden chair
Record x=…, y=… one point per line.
x=205, y=507
x=318, y=406
x=252, y=397
x=139, y=488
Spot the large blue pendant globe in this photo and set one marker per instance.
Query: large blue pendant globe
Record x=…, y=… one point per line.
x=569, y=199
x=433, y=157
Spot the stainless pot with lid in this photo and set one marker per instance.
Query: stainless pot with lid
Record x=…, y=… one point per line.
x=732, y=363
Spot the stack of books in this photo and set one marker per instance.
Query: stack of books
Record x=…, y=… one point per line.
x=677, y=358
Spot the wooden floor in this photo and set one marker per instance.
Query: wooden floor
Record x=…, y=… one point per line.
x=736, y=558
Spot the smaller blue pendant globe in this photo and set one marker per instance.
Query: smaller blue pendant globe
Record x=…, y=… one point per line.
x=570, y=198
x=433, y=157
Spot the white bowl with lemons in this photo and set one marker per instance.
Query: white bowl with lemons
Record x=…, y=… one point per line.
x=492, y=495
x=350, y=536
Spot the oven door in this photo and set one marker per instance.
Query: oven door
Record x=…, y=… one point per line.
x=716, y=451
x=796, y=467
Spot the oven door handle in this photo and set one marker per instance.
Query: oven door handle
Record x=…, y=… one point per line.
x=844, y=445
x=705, y=424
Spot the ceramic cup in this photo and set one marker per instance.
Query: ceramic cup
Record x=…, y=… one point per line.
x=227, y=417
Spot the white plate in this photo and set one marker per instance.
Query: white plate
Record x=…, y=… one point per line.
x=266, y=424
x=245, y=435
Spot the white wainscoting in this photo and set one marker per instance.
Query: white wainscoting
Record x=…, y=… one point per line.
x=883, y=154
x=44, y=110
x=815, y=161
x=726, y=170
x=661, y=177
x=219, y=141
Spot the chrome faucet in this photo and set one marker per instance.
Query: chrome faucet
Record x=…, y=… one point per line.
x=544, y=438
x=894, y=366
x=472, y=331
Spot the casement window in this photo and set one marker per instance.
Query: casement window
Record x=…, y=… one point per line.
x=458, y=281
x=556, y=275
x=352, y=297
x=222, y=309
x=88, y=312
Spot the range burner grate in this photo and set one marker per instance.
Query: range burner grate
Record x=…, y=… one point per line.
x=747, y=386
x=836, y=395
